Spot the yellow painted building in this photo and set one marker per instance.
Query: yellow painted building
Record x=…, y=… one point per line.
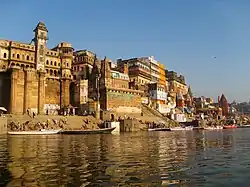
x=162, y=76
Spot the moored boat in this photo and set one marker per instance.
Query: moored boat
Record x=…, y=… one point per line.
x=244, y=126
x=159, y=129
x=181, y=128
x=230, y=127
x=38, y=132
x=89, y=131
x=213, y=128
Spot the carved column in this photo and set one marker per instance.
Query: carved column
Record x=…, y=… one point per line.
x=41, y=92
x=14, y=76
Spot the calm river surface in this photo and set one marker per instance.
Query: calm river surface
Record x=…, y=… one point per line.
x=204, y=158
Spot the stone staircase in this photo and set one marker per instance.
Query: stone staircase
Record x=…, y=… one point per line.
x=152, y=113
x=72, y=121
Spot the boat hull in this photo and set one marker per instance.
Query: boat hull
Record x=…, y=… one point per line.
x=230, y=127
x=213, y=128
x=244, y=126
x=96, y=131
x=159, y=129
x=181, y=128
x=45, y=132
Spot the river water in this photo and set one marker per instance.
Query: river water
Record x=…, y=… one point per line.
x=193, y=158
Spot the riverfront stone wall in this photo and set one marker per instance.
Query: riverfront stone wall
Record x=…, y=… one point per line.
x=3, y=125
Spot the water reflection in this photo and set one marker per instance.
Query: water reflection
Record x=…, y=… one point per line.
x=147, y=159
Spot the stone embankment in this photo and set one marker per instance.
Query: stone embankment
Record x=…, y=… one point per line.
x=25, y=122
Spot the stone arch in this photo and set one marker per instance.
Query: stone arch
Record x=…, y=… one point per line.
x=12, y=64
x=22, y=66
x=18, y=65
x=32, y=66
x=27, y=66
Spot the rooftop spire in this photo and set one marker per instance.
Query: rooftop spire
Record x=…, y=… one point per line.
x=41, y=26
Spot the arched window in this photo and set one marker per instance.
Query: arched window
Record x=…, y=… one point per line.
x=17, y=56
x=4, y=55
x=67, y=64
x=55, y=63
x=47, y=62
x=51, y=63
x=28, y=57
x=59, y=64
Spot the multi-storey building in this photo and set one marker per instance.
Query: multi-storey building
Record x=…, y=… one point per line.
x=34, y=78
x=138, y=70
x=116, y=98
x=83, y=63
x=154, y=68
x=158, y=96
x=162, y=75
x=176, y=83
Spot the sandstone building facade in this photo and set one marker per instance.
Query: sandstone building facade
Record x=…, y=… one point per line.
x=34, y=78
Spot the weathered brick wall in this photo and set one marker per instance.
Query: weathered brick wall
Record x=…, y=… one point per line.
x=52, y=91
x=66, y=92
x=119, y=83
x=19, y=91
x=32, y=91
x=122, y=99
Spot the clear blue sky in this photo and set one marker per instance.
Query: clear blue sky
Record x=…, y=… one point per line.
x=182, y=34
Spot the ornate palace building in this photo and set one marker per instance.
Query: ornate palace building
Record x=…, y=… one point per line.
x=34, y=78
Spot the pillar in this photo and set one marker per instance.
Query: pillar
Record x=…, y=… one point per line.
x=13, y=92
x=65, y=92
x=27, y=84
x=41, y=92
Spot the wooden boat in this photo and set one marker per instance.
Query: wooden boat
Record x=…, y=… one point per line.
x=41, y=132
x=159, y=129
x=244, y=126
x=181, y=128
x=213, y=128
x=230, y=127
x=94, y=131
x=198, y=128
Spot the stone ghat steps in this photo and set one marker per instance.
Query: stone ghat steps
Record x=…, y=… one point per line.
x=72, y=121
x=148, y=115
